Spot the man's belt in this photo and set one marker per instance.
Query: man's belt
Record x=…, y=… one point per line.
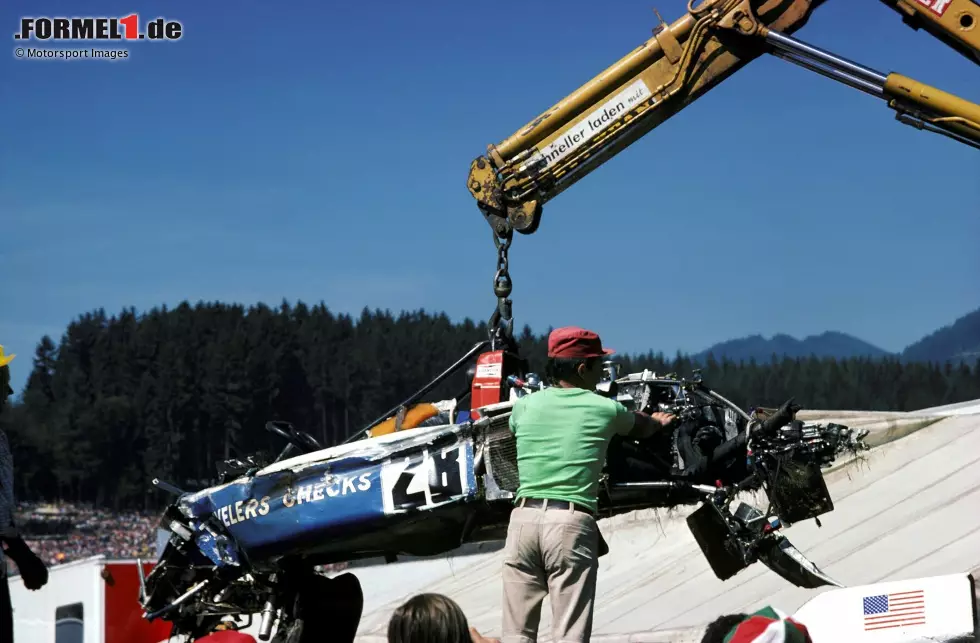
x=539, y=503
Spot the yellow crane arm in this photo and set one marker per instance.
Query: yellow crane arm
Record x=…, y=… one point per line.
x=953, y=22
x=679, y=64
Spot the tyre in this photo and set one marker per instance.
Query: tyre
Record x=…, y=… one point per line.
x=322, y=609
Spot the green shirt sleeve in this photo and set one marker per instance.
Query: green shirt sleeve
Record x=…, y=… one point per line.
x=514, y=414
x=622, y=423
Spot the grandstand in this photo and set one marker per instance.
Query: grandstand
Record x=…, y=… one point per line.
x=64, y=532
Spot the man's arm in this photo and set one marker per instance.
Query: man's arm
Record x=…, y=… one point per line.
x=645, y=426
x=638, y=426
x=515, y=412
x=31, y=568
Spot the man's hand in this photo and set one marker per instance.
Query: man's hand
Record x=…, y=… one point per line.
x=645, y=425
x=665, y=419
x=32, y=569
x=479, y=638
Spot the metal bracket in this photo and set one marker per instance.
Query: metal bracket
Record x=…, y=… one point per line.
x=668, y=43
x=500, y=225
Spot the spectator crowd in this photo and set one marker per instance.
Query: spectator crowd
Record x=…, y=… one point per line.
x=61, y=533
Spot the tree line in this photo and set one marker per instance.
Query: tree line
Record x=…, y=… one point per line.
x=125, y=398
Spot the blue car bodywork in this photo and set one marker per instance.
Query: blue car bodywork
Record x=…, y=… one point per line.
x=329, y=495
x=343, y=502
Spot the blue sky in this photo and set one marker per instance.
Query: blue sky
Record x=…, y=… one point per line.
x=321, y=154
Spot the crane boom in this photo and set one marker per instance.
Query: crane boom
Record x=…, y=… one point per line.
x=679, y=64
x=953, y=22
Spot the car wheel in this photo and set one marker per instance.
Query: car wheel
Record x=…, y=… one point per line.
x=323, y=609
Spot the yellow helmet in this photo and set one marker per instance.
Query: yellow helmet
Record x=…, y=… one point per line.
x=5, y=359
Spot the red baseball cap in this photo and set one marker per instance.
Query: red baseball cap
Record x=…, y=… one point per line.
x=572, y=341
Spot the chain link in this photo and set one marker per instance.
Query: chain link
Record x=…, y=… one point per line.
x=501, y=322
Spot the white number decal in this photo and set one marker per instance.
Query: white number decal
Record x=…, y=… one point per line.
x=427, y=479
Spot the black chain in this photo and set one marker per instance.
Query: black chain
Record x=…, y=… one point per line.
x=502, y=322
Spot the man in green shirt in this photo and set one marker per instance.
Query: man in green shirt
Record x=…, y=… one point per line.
x=562, y=435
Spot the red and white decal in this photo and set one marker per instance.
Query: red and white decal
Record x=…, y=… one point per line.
x=489, y=376
x=938, y=7
x=490, y=370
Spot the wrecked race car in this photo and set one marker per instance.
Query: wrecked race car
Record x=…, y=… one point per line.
x=427, y=478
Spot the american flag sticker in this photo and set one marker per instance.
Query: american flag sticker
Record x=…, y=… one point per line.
x=899, y=609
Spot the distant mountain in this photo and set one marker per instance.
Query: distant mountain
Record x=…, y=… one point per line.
x=827, y=344
x=960, y=341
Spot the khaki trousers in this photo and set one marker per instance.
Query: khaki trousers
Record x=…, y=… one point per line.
x=553, y=553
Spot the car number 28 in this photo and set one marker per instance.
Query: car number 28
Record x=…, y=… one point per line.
x=429, y=478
